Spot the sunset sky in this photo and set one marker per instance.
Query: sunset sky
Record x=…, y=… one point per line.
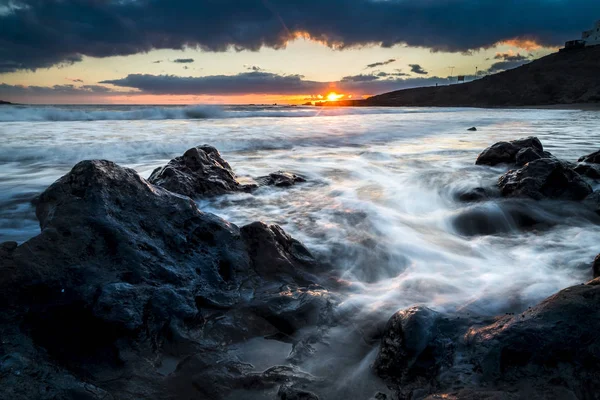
x=265, y=51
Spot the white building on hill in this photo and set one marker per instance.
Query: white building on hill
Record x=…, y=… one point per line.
x=592, y=37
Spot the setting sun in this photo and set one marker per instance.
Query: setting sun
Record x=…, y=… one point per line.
x=333, y=96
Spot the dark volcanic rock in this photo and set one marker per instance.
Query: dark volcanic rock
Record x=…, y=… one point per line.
x=200, y=172
x=593, y=158
x=506, y=152
x=280, y=179
x=275, y=253
x=475, y=194
x=528, y=154
x=287, y=392
x=472, y=129
x=544, y=178
x=124, y=274
x=552, y=344
x=205, y=376
x=551, y=350
x=407, y=335
x=591, y=171
x=593, y=201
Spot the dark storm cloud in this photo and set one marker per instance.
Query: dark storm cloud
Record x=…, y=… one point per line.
x=417, y=69
x=360, y=78
x=510, y=57
x=267, y=83
x=380, y=64
x=71, y=90
x=183, y=60
x=43, y=33
x=243, y=83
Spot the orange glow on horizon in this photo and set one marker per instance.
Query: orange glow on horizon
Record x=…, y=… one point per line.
x=333, y=96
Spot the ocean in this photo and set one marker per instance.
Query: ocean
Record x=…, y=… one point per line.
x=380, y=203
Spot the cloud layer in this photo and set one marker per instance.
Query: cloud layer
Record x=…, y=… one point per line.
x=43, y=33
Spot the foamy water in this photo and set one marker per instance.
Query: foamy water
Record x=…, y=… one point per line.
x=380, y=202
x=380, y=199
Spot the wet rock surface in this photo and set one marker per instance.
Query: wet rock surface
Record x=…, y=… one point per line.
x=280, y=179
x=548, y=350
x=506, y=152
x=130, y=291
x=127, y=280
x=593, y=158
x=202, y=172
x=544, y=178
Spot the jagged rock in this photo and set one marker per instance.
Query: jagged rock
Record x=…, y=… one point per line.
x=593, y=158
x=296, y=308
x=275, y=253
x=209, y=377
x=280, y=179
x=506, y=152
x=287, y=392
x=552, y=345
x=526, y=155
x=551, y=350
x=200, y=172
x=407, y=335
x=591, y=171
x=124, y=273
x=544, y=178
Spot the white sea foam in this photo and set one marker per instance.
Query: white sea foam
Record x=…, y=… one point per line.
x=379, y=204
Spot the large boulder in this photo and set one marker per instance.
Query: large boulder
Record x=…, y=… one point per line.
x=506, y=152
x=551, y=350
x=200, y=172
x=552, y=346
x=126, y=277
x=593, y=158
x=544, y=178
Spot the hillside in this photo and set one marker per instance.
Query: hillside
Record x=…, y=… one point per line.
x=2, y=102
x=559, y=78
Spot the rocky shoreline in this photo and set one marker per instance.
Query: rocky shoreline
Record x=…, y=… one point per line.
x=130, y=291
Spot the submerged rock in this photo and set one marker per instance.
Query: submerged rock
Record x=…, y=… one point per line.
x=200, y=172
x=280, y=179
x=593, y=158
x=506, y=152
x=544, y=178
x=475, y=194
x=591, y=171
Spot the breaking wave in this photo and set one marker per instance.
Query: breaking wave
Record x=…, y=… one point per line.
x=138, y=113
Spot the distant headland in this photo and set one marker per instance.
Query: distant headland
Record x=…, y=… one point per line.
x=562, y=78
